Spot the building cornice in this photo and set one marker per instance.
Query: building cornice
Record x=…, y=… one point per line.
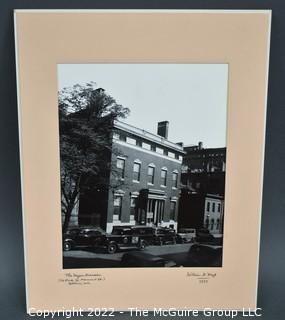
x=148, y=136
x=123, y=143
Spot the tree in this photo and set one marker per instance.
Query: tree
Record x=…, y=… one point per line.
x=86, y=117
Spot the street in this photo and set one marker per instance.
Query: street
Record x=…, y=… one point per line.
x=88, y=258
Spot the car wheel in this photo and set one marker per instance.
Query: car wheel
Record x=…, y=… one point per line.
x=111, y=248
x=142, y=245
x=67, y=246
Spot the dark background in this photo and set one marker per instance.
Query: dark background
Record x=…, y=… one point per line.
x=271, y=292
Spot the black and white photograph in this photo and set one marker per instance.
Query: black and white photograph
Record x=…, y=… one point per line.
x=143, y=163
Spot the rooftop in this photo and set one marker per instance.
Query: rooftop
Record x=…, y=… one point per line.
x=147, y=135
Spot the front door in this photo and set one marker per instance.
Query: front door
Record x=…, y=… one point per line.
x=155, y=211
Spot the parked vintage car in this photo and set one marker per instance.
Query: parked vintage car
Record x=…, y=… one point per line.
x=204, y=236
x=186, y=235
x=82, y=237
x=123, y=238
x=142, y=259
x=202, y=255
x=164, y=235
x=89, y=237
x=151, y=235
x=143, y=232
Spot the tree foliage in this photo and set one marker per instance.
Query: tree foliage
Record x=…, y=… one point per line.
x=86, y=117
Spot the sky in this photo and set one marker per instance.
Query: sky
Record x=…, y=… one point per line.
x=192, y=97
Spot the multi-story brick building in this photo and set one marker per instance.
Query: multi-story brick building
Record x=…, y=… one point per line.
x=203, y=169
x=203, y=188
x=149, y=167
x=144, y=181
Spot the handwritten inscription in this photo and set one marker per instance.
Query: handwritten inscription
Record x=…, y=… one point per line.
x=72, y=278
x=202, y=277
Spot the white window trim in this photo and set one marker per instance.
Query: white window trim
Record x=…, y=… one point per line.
x=131, y=141
x=119, y=193
x=146, y=146
x=171, y=154
x=121, y=157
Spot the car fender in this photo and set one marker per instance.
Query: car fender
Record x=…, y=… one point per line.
x=69, y=240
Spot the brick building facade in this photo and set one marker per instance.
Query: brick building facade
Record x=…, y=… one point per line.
x=144, y=181
x=203, y=188
x=149, y=167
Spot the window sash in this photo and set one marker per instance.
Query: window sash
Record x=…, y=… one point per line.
x=150, y=174
x=136, y=171
x=117, y=207
x=174, y=179
x=163, y=176
x=121, y=167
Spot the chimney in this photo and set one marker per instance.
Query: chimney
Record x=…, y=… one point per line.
x=162, y=129
x=200, y=145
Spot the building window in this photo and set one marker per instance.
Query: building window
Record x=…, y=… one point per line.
x=131, y=141
x=208, y=206
x=121, y=167
x=219, y=207
x=132, y=208
x=172, y=210
x=171, y=155
x=213, y=207
x=218, y=224
x=137, y=171
x=117, y=207
x=116, y=135
x=150, y=174
x=163, y=177
x=159, y=150
x=146, y=146
x=174, y=179
x=212, y=224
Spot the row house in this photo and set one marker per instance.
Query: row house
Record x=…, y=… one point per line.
x=144, y=180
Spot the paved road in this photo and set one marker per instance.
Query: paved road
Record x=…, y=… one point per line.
x=155, y=250
x=91, y=259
